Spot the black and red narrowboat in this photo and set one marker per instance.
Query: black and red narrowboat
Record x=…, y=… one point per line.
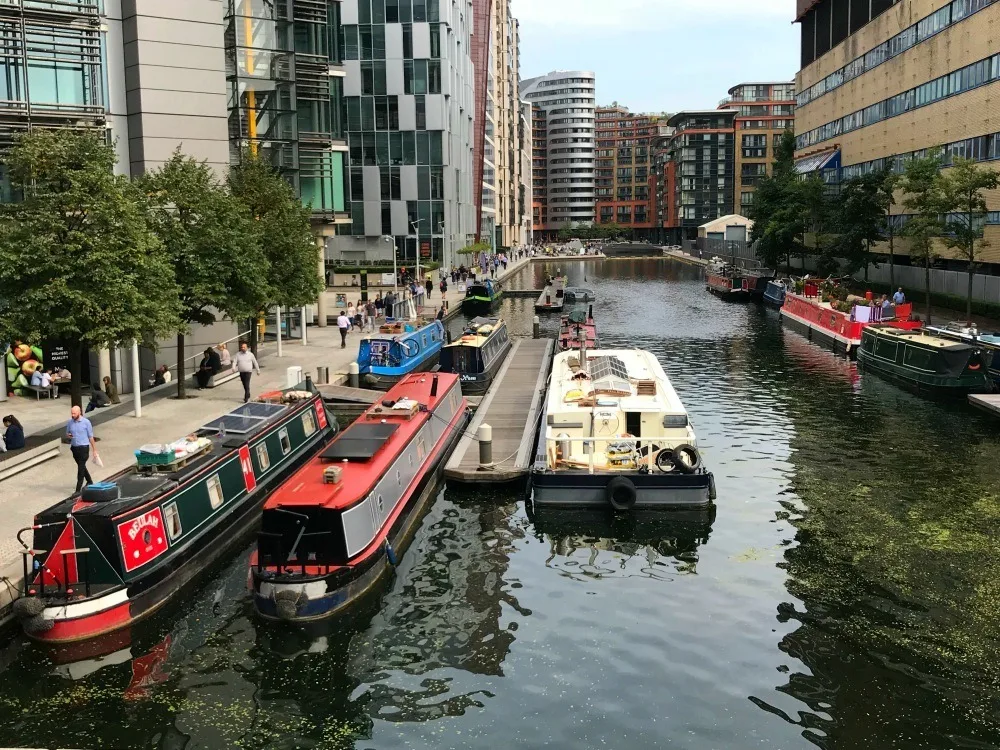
x=341, y=522
x=113, y=554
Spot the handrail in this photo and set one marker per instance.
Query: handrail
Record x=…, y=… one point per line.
x=227, y=342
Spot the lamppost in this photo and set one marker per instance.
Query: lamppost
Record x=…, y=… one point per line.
x=392, y=241
x=413, y=230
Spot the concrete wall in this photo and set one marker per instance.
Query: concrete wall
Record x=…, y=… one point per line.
x=175, y=81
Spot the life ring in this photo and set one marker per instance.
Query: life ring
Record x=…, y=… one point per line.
x=974, y=367
x=621, y=493
x=687, y=458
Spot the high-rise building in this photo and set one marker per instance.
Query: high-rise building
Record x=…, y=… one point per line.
x=886, y=79
x=764, y=112
x=563, y=148
x=409, y=103
x=622, y=179
x=525, y=190
x=701, y=148
x=497, y=163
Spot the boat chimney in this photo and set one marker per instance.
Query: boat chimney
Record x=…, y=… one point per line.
x=309, y=383
x=434, y=387
x=583, y=350
x=590, y=312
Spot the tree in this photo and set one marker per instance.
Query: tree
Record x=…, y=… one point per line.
x=292, y=258
x=887, y=182
x=78, y=261
x=963, y=188
x=211, y=243
x=776, y=211
x=820, y=217
x=924, y=199
x=862, y=216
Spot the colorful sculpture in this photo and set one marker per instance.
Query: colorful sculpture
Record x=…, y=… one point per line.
x=21, y=361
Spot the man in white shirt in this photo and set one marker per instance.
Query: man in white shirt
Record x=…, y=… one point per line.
x=344, y=324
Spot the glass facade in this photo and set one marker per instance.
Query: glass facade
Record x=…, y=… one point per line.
x=283, y=101
x=703, y=148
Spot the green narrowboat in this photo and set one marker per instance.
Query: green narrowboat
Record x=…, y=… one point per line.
x=923, y=360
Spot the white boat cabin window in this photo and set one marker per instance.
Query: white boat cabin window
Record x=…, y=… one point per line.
x=215, y=496
x=308, y=423
x=172, y=520
x=263, y=459
x=421, y=449
x=286, y=444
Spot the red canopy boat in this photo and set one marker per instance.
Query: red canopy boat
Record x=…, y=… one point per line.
x=572, y=325
x=339, y=523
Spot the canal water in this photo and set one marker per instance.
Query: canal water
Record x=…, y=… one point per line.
x=844, y=595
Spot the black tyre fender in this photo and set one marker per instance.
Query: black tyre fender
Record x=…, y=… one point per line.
x=687, y=458
x=621, y=493
x=666, y=461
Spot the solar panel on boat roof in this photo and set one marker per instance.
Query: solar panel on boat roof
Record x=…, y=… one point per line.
x=235, y=424
x=609, y=374
x=254, y=409
x=359, y=442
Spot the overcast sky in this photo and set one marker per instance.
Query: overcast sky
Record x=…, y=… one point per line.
x=661, y=55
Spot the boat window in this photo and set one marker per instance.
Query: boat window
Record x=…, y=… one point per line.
x=886, y=349
x=308, y=423
x=633, y=423
x=920, y=359
x=172, y=520
x=423, y=340
x=286, y=444
x=421, y=449
x=381, y=505
x=399, y=479
x=215, y=496
x=263, y=460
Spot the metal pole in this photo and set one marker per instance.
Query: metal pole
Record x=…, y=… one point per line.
x=536, y=328
x=277, y=316
x=303, y=326
x=136, y=381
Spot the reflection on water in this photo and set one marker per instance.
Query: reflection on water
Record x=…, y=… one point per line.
x=844, y=596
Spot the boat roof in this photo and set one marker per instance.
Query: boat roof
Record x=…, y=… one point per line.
x=920, y=336
x=366, y=449
x=615, y=375
x=403, y=334
x=476, y=339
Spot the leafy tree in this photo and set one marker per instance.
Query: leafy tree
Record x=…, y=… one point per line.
x=820, y=218
x=211, y=242
x=291, y=270
x=887, y=183
x=78, y=261
x=776, y=209
x=924, y=199
x=862, y=213
x=963, y=185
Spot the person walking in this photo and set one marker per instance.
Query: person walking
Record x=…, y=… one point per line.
x=245, y=363
x=429, y=286
x=344, y=324
x=372, y=314
x=80, y=433
x=440, y=315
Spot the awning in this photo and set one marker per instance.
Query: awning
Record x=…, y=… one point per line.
x=829, y=159
x=802, y=7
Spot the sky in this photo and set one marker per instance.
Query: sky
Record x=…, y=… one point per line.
x=661, y=55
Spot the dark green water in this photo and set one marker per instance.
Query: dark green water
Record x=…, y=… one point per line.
x=845, y=595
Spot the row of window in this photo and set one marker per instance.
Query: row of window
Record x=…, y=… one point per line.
x=766, y=124
x=957, y=82
x=398, y=11
x=925, y=28
x=396, y=149
x=368, y=42
x=980, y=148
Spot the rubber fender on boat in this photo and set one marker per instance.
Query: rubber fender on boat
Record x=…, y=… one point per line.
x=711, y=487
x=27, y=607
x=687, y=458
x=286, y=604
x=390, y=554
x=37, y=624
x=620, y=493
x=666, y=462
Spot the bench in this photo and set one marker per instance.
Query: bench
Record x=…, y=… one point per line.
x=222, y=376
x=40, y=391
x=35, y=451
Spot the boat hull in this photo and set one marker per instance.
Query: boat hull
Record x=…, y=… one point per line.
x=580, y=489
x=821, y=335
x=383, y=382
x=479, y=305
x=327, y=596
x=123, y=606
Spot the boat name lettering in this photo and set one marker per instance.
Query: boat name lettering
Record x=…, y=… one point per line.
x=142, y=522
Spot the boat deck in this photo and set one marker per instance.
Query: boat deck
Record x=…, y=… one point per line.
x=511, y=407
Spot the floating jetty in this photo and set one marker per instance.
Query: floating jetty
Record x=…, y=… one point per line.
x=552, y=297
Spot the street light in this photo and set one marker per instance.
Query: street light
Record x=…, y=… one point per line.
x=392, y=242
x=413, y=230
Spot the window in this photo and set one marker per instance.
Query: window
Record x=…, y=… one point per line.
x=215, y=495
x=308, y=423
x=286, y=444
x=172, y=520
x=263, y=459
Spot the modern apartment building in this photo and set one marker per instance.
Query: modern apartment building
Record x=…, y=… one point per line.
x=882, y=80
x=622, y=185
x=525, y=190
x=409, y=120
x=702, y=149
x=497, y=161
x=563, y=163
x=764, y=112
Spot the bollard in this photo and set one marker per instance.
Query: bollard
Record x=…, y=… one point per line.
x=353, y=375
x=536, y=328
x=323, y=375
x=485, y=446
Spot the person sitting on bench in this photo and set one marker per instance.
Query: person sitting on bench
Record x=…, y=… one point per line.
x=13, y=436
x=210, y=365
x=98, y=399
x=43, y=380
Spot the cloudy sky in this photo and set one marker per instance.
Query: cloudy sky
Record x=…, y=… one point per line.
x=660, y=55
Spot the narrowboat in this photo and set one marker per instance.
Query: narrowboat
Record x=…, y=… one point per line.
x=398, y=350
x=344, y=519
x=553, y=296
x=923, y=360
x=774, y=293
x=809, y=314
x=616, y=435
x=577, y=294
x=578, y=324
x=988, y=343
x=113, y=554
x=734, y=283
x=481, y=297
x=477, y=354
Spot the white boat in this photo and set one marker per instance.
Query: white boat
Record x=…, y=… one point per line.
x=616, y=434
